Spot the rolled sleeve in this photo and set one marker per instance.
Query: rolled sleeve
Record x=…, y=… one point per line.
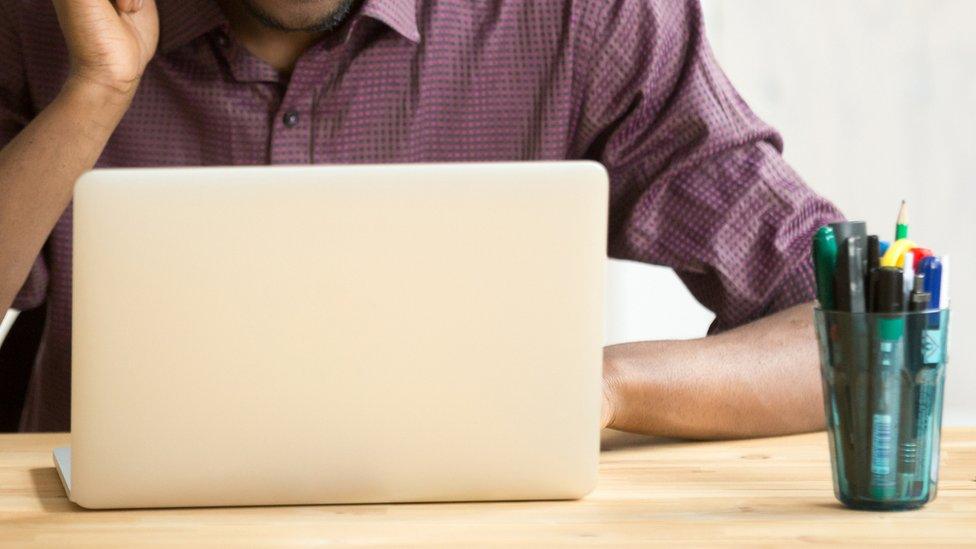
x=698, y=182
x=15, y=114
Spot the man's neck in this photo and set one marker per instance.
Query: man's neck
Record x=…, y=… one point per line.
x=281, y=49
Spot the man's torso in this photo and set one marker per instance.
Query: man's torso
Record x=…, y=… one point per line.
x=478, y=81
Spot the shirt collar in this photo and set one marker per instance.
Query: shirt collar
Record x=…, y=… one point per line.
x=399, y=15
x=182, y=21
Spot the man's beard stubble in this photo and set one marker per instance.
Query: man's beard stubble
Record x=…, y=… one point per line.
x=324, y=24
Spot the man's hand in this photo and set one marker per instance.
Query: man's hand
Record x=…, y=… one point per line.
x=761, y=379
x=110, y=45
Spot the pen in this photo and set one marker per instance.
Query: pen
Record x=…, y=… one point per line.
x=874, y=261
x=929, y=356
x=909, y=277
x=824, y=264
x=851, y=351
x=849, y=275
x=944, y=284
x=847, y=255
x=931, y=268
x=895, y=256
x=926, y=377
x=909, y=433
x=874, y=252
x=920, y=299
x=846, y=229
x=885, y=388
x=920, y=254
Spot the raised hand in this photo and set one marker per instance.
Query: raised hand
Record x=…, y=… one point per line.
x=110, y=43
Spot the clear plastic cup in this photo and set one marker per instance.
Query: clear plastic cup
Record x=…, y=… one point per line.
x=883, y=377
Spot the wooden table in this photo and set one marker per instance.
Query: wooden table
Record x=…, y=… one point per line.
x=769, y=491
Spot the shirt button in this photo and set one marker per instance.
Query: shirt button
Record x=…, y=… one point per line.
x=290, y=119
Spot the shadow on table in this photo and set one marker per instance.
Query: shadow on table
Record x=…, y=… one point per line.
x=619, y=440
x=49, y=491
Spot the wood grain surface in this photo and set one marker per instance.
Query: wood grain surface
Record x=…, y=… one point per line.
x=755, y=492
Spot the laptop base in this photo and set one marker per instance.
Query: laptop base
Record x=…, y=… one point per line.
x=62, y=461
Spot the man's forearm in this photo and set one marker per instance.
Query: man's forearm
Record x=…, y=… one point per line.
x=38, y=170
x=760, y=379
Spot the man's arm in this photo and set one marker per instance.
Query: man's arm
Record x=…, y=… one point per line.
x=38, y=170
x=698, y=184
x=760, y=379
x=109, y=50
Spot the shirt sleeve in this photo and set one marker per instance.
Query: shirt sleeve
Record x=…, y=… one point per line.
x=698, y=182
x=15, y=113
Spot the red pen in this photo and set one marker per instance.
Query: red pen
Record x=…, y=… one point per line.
x=920, y=253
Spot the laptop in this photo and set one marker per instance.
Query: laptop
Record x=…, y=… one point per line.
x=319, y=335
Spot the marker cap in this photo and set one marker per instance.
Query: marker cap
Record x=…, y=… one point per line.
x=889, y=291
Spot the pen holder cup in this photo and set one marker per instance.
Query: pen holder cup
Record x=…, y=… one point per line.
x=883, y=377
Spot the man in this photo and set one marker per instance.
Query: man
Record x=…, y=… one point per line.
x=698, y=183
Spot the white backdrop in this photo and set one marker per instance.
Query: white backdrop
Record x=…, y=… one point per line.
x=875, y=99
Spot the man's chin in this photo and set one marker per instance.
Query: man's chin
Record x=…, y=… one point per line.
x=300, y=15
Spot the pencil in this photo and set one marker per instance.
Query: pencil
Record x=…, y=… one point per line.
x=901, y=226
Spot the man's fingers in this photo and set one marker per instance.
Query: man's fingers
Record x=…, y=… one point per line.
x=71, y=11
x=129, y=6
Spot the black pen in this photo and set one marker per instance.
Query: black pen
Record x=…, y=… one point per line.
x=874, y=261
x=908, y=439
x=852, y=350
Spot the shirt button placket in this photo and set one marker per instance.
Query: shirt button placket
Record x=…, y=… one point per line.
x=292, y=127
x=290, y=133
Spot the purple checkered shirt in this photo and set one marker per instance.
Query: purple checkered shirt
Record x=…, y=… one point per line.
x=698, y=183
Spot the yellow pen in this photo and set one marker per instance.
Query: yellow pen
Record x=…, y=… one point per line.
x=895, y=256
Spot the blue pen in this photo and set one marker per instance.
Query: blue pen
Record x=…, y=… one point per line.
x=931, y=267
x=884, y=245
x=926, y=377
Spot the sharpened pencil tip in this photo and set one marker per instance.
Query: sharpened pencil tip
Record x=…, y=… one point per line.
x=903, y=213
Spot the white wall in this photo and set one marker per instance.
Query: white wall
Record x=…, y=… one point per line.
x=649, y=302
x=875, y=99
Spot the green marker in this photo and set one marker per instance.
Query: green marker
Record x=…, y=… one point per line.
x=824, y=265
x=886, y=387
x=826, y=260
